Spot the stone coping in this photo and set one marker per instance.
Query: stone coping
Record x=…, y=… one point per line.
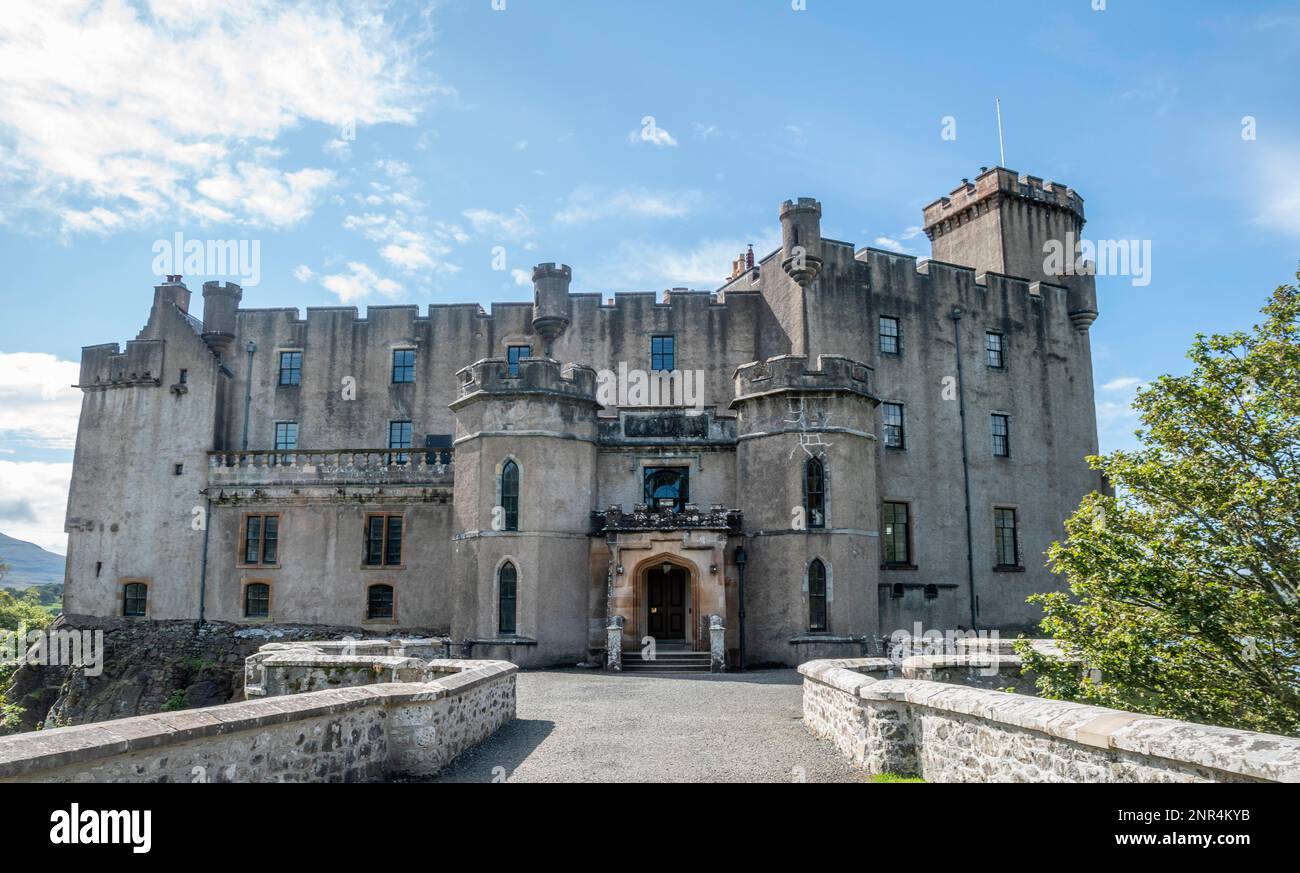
x=1257, y=755
x=36, y=751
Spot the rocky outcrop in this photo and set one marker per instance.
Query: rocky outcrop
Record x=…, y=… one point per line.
x=152, y=666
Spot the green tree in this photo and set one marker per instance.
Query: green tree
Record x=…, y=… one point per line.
x=16, y=613
x=1186, y=585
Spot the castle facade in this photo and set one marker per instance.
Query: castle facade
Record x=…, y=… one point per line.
x=836, y=444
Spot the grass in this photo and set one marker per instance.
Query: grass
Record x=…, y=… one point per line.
x=895, y=777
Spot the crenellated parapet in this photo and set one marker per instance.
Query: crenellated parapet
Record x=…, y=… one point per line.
x=106, y=366
x=790, y=374
x=971, y=199
x=491, y=377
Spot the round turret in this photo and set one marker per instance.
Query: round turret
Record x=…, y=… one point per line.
x=551, y=301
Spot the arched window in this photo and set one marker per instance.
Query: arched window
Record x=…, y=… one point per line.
x=814, y=492
x=817, y=595
x=379, y=601
x=510, y=495
x=507, y=597
x=257, y=600
x=135, y=597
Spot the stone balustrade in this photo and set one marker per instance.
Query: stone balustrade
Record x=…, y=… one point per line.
x=331, y=467
x=643, y=518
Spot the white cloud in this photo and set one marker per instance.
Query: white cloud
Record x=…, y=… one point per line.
x=128, y=107
x=34, y=502
x=589, y=204
x=522, y=278
x=895, y=243
x=303, y=273
x=359, y=282
x=266, y=195
x=1123, y=383
x=1277, y=190
x=638, y=265
x=40, y=406
x=706, y=131
x=403, y=247
x=511, y=226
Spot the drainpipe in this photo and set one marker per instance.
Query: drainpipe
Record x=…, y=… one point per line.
x=741, y=559
x=965, y=469
x=203, y=564
x=248, y=392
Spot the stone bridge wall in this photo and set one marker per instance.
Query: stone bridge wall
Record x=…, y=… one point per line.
x=951, y=733
x=355, y=734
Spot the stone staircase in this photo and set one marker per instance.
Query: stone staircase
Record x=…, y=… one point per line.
x=667, y=662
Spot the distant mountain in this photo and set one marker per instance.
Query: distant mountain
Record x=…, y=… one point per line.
x=29, y=564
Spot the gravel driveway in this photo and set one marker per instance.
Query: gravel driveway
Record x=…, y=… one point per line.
x=589, y=726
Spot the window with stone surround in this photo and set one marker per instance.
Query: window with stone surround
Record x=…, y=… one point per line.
x=135, y=599
x=290, y=368
x=993, y=350
x=1006, y=538
x=507, y=599
x=257, y=600
x=379, y=603
x=896, y=533
x=814, y=492
x=384, y=540
x=1001, y=435
x=403, y=365
x=816, y=596
x=663, y=353
x=510, y=496
x=515, y=354
x=890, y=336
x=260, y=543
x=892, y=415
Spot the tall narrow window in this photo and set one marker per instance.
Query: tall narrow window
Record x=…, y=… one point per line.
x=816, y=595
x=257, y=600
x=399, y=437
x=663, y=353
x=261, y=539
x=403, y=365
x=1005, y=538
x=993, y=349
x=290, y=368
x=893, y=419
x=889, y=335
x=667, y=488
x=379, y=602
x=286, y=438
x=135, y=597
x=898, y=545
x=383, y=540
x=510, y=495
x=1001, y=436
x=814, y=492
x=507, y=597
x=515, y=354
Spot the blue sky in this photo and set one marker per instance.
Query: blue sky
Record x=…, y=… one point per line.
x=520, y=132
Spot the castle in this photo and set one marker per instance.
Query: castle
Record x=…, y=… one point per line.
x=835, y=444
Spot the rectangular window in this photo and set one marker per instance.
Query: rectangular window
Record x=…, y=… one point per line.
x=286, y=439
x=379, y=602
x=290, y=368
x=261, y=539
x=403, y=365
x=893, y=419
x=889, y=335
x=399, y=437
x=515, y=354
x=663, y=353
x=1001, y=436
x=257, y=600
x=993, y=348
x=897, y=530
x=135, y=598
x=383, y=540
x=1005, y=538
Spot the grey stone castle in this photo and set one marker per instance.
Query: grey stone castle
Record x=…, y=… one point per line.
x=835, y=444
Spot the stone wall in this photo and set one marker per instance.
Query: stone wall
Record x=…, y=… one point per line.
x=389, y=730
x=950, y=733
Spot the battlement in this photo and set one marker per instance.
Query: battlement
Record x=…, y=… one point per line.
x=491, y=376
x=834, y=374
x=106, y=366
x=803, y=204
x=990, y=186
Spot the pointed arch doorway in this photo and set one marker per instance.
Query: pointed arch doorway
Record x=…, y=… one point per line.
x=666, y=594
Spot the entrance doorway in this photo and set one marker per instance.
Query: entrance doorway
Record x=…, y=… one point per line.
x=666, y=602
